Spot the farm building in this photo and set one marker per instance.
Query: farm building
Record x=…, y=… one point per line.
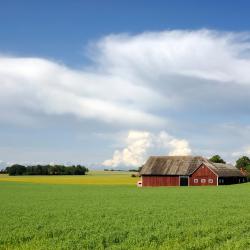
x=188, y=171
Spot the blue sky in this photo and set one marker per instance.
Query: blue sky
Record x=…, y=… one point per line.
x=61, y=29
x=111, y=82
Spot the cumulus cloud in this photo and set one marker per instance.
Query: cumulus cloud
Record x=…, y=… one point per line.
x=140, y=144
x=137, y=144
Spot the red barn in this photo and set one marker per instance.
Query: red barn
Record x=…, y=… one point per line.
x=188, y=171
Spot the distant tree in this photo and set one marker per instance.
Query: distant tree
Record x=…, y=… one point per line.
x=243, y=162
x=216, y=159
x=16, y=169
x=248, y=170
x=79, y=170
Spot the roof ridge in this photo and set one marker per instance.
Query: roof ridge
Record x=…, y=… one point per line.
x=176, y=156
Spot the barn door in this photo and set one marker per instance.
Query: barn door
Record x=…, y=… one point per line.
x=183, y=180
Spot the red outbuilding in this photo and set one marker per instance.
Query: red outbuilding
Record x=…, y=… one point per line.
x=188, y=171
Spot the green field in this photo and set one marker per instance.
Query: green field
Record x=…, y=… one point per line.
x=64, y=216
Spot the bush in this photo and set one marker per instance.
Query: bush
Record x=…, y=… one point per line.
x=134, y=175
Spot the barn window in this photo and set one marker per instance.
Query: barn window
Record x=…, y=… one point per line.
x=210, y=180
x=196, y=180
x=203, y=180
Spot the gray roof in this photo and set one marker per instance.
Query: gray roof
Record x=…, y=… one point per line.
x=185, y=165
x=226, y=170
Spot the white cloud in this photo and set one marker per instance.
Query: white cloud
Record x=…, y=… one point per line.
x=174, y=146
x=137, y=144
x=244, y=151
x=219, y=56
x=182, y=81
x=133, y=80
x=140, y=144
x=179, y=147
x=40, y=86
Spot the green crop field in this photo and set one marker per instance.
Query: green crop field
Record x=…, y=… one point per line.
x=65, y=216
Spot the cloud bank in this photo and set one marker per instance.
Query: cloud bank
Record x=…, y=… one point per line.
x=171, y=81
x=32, y=85
x=132, y=78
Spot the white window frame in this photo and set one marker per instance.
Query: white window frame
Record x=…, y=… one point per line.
x=196, y=180
x=210, y=181
x=203, y=180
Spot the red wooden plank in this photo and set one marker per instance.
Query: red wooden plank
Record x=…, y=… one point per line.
x=154, y=181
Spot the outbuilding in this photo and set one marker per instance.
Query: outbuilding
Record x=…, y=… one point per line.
x=188, y=171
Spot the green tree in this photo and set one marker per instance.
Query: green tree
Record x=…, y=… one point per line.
x=243, y=162
x=216, y=159
x=16, y=169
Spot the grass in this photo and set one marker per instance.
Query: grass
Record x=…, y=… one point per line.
x=47, y=216
x=92, y=178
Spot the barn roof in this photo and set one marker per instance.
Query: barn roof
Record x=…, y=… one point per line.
x=185, y=165
x=226, y=170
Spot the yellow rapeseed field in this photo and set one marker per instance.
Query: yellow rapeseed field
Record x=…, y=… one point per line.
x=92, y=178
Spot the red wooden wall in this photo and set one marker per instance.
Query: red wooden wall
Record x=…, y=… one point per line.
x=203, y=172
x=152, y=181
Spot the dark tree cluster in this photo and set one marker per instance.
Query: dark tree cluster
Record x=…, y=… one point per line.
x=243, y=163
x=17, y=169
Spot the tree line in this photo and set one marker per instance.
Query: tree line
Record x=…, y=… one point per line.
x=17, y=169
